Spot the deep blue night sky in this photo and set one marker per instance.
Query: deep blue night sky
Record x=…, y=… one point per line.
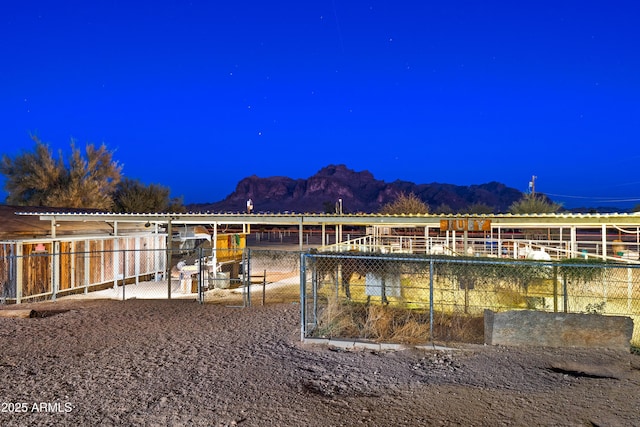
x=196, y=95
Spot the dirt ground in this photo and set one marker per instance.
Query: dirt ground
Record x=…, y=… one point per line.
x=174, y=363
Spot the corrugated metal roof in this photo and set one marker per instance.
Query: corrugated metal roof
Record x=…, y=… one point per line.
x=359, y=219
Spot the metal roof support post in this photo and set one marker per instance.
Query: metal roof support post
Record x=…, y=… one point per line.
x=453, y=242
x=604, y=240
x=214, y=251
x=465, y=244
x=447, y=241
x=300, y=231
x=574, y=245
x=426, y=239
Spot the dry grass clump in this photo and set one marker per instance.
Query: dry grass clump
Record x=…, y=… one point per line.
x=344, y=319
x=412, y=332
x=378, y=322
x=458, y=327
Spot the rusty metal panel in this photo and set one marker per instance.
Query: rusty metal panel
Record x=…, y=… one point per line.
x=465, y=224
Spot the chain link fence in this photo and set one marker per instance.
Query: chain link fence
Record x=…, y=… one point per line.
x=273, y=275
x=243, y=278
x=392, y=297
x=409, y=299
x=102, y=273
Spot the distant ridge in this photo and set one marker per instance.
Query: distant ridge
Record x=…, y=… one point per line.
x=359, y=191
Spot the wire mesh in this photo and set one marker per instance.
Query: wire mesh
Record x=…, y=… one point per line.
x=127, y=271
x=274, y=276
x=421, y=299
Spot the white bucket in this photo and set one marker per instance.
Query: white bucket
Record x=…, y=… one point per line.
x=222, y=280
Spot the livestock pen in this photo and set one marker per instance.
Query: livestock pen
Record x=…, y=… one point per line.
x=37, y=269
x=351, y=295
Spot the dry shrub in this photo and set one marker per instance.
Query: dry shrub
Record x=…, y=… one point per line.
x=412, y=332
x=378, y=323
x=396, y=324
x=336, y=320
x=458, y=327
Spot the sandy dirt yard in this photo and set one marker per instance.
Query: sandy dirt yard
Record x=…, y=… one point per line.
x=179, y=363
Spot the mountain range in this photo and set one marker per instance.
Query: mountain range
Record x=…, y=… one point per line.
x=358, y=191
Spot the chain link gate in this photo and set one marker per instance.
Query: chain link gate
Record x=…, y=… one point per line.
x=261, y=277
x=411, y=299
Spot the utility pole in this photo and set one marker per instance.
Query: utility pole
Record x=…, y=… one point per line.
x=532, y=185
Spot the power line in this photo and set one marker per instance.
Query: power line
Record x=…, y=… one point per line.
x=597, y=198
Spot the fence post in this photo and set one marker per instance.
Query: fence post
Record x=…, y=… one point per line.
x=200, y=276
x=124, y=274
x=53, y=265
x=431, y=299
x=565, y=303
x=168, y=266
x=245, y=272
x=136, y=260
x=303, y=278
x=19, y=276
x=629, y=289
x=555, y=288
x=246, y=278
x=264, y=287
x=249, y=302
x=314, y=295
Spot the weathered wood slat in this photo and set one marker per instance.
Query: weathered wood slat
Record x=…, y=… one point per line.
x=23, y=314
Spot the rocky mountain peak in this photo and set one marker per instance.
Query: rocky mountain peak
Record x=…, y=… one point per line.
x=359, y=191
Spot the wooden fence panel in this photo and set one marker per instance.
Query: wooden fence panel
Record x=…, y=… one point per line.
x=95, y=261
x=77, y=263
x=65, y=265
x=81, y=254
x=36, y=269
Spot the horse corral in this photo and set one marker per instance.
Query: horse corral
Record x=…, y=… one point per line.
x=468, y=253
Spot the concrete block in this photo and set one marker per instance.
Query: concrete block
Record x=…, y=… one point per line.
x=538, y=328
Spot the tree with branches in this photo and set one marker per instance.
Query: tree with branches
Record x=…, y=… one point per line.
x=132, y=196
x=85, y=181
x=477, y=208
x=405, y=204
x=534, y=203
